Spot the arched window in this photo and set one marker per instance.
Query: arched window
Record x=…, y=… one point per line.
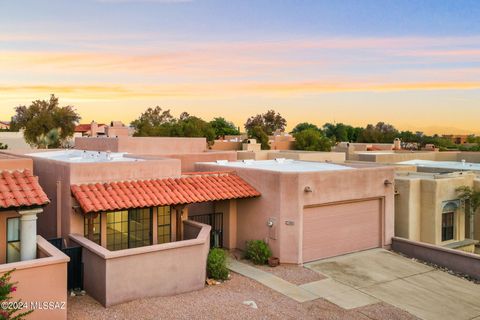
x=448, y=220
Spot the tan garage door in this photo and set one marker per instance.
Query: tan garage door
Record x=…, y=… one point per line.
x=341, y=228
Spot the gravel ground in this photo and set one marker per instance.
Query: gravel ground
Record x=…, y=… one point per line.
x=289, y=272
x=292, y=273
x=225, y=301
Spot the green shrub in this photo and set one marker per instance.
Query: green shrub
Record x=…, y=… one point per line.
x=258, y=251
x=217, y=264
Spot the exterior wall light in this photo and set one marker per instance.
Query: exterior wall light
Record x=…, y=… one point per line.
x=308, y=189
x=387, y=182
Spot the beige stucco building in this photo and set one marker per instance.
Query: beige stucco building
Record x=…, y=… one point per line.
x=428, y=208
x=312, y=210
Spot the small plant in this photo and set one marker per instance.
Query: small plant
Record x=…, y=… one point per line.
x=217, y=264
x=258, y=251
x=6, y=289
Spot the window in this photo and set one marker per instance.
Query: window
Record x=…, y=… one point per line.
x=140, y=224
x=447, y=225
x=92, y=227
x=163, y=224
x=129, y=229
x=13, y=240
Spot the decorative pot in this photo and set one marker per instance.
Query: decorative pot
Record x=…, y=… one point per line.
x=273, y=261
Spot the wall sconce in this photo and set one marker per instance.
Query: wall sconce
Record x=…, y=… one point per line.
x=387, y=182
x=307, y=189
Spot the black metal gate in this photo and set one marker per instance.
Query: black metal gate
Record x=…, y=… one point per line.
x=75, y=265
x=216, y=221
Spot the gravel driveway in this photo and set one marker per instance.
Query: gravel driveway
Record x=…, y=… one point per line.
x=225, y=301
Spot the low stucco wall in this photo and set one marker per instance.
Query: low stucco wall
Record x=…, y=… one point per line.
x=114, y=277
x=143, y=145
x=42, y=280
x=456, y=260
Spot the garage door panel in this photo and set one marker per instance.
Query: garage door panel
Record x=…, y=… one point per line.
x=341, y=228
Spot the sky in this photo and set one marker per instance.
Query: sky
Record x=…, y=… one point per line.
x=414, y=64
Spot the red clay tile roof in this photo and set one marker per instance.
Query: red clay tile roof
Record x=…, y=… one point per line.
x=84, y=127
x=203, y=187
x=20, y=189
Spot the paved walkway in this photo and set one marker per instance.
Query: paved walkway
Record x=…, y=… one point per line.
x=372, y=276
x=273, y=282
x=329, y=289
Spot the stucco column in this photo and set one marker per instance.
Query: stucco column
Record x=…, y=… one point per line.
x=28, y=234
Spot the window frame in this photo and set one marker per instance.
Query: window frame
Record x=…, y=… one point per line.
x=85, y=228
x=7, y=242
x=448, y=230
x=129, y=243
x=169, y=225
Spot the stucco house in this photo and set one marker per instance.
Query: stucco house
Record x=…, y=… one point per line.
x=37, y=263
x=130, y=216
x=312, y=210
x=428, y=208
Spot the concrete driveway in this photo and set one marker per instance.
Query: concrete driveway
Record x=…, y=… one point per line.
x=382, y=275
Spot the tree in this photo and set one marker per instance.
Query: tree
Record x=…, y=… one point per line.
x=223, y=127
x=303, y=126
x=467, y=194
x=269, y=121
x=312, y=140
x=160, y=123
x=380, y=133
x=41, y=117
x=149, y=123
x=258, y=134
x=3, y=146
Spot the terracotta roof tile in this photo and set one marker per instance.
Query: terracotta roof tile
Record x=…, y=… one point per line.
x=20, y=189
x=190, y=188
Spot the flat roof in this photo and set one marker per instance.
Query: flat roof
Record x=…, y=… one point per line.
x=84, y=156
x=283, y=165
x=454, y=165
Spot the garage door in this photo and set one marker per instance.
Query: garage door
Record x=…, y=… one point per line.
x=337, y=229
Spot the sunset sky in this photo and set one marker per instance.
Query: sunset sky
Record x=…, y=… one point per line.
x=415, y=64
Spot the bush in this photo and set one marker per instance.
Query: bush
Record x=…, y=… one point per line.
x=7, y=287
x=217, y=264
x=258, y=251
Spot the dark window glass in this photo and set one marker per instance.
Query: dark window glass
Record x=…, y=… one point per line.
x=13, y=240
x=163, y=224
x=129, y=229
x=92, y=227
x=139, y=227
x=447, y=225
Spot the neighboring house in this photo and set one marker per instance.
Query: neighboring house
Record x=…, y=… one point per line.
x=4, y=125
x=456, y=138
x=40, y=268
x=92, y=129
x=130, y=216
x=188, y=150
x=115, y=129
x=281, y=141
x=312, y=210
x=428, y=209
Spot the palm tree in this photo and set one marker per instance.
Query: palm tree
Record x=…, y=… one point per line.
x=473, y=197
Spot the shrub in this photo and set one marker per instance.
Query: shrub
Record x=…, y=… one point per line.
x=258, y=251
x=217, y=264
x=7, y=287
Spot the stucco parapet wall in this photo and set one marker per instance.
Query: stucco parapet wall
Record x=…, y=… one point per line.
x=456, y=260
x=203, y=236
x=53, y=256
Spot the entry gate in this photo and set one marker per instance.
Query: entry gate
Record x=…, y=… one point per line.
x=215, y=220
x=75, y=265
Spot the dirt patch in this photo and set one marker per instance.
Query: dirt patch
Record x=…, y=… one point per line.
x=225, y=301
